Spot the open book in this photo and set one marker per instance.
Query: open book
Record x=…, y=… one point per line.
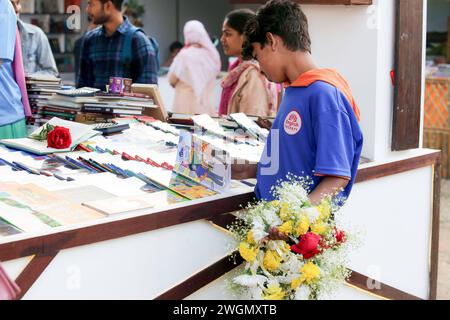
x=79, y=132
x=250, y=126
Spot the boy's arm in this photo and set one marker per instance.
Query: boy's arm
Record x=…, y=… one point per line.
x=1, y=62
x=328, y=186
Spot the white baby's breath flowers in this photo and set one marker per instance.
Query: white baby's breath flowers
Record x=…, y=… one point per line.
x=292, y=266
x=251, y=281
x=258, y=229
x=271, y=218
x=303, y=293
x=312, y=213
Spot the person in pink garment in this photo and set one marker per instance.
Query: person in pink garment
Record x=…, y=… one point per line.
x=194, y=71
x=245, y=89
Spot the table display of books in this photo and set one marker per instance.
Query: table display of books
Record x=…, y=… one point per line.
x=50, y=98
x=150, y=166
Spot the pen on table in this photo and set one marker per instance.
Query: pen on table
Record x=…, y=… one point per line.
x=84, y=148
x=59, y=177
x=27, y=169
x=11, y=165
x=112, y=170
x=63, y=161
x=88, y=164
x=81, y=165
x=118, y=170
x=100, y=149
x=100, y=165
x=90, y=148
x=153, y=163
x=126, y=156
x=110, y=152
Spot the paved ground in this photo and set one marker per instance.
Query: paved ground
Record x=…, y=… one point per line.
x=444, y=244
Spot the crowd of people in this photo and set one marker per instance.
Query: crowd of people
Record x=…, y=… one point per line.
x=112, y=46
x=271, y=45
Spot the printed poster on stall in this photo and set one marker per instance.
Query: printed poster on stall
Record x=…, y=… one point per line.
x=203, y=163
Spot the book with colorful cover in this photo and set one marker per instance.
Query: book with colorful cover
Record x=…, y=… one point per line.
x=202, y=162
x=127, y=204
x=59, y=210
x=20, y=215
x=7, y=229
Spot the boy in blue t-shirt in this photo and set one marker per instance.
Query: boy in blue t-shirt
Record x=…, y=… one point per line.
x=316, y=132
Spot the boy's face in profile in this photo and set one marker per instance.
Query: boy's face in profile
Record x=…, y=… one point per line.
x=270, y=59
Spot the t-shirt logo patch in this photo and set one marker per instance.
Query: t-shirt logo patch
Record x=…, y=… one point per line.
x=293, y=123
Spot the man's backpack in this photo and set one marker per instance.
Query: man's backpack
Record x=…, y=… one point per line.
x=127, y=52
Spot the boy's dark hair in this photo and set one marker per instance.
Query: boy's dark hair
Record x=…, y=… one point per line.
x=175, y=45
x=283, y=18
x=117, y=3
x=237, y=19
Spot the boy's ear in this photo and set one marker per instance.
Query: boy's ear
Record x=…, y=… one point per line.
x=271, y=41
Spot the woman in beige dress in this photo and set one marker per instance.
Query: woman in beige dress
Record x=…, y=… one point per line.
x=245, y=89
x=194, y=71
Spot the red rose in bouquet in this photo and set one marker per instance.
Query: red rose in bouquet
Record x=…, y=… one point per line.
x=308, y=245
x=340, y=236
x=59, y=138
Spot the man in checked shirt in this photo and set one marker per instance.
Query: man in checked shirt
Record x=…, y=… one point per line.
x=115, y=49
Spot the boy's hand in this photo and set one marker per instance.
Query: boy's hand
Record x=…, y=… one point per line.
x=275, y=234
x=243, y=171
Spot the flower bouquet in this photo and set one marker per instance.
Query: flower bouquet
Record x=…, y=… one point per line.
x=310, y=263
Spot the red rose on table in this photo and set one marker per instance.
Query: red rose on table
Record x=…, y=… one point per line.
x=308, y=245
x=59, y=138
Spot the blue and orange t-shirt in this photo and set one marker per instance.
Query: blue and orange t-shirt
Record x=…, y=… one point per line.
x=315, y=134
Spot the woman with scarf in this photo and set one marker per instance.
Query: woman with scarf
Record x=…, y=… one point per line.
x=245, y=89
x=194, y=71
x=14, y=103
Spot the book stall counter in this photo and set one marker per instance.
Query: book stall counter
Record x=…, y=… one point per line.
x=182, y=250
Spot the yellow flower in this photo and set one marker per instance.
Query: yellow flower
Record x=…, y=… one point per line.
x=286, y=228
x=251, y=237
x=272, y=261
x=285, y=247
x=319, y=228
x=274, y=292
x=302, y=227
x=296, y=283
x=275, y=203
x=310, y=273
x=284, y=212
x=247, y=252
x=325, y=210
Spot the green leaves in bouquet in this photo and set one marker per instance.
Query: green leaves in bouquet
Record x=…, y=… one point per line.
x=42, y=135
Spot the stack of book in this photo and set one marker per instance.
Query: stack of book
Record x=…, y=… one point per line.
x=95, y=107
x=41, y=88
